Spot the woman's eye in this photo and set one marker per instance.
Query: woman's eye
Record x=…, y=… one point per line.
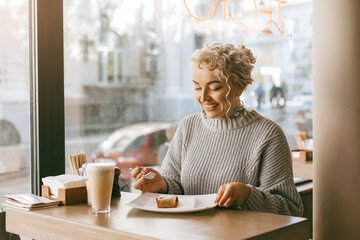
x=197, y=88
x=216, y=89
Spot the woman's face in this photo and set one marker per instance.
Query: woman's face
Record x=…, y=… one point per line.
x=211, y=92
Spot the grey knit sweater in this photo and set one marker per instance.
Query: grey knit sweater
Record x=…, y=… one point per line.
x=206, y=153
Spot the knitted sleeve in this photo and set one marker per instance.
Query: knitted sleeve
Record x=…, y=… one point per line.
x=276, y=191
x=171, y=165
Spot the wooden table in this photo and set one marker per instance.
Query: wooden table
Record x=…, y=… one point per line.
x=303, y=170
x=124, y=222
x=306, y=194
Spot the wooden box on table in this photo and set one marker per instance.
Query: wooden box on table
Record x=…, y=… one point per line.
x=67, y=196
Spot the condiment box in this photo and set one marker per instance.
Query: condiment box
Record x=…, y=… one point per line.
x=67, y=196
x=302, y=155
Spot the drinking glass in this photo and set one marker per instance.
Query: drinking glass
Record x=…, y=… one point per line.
x=101, y=178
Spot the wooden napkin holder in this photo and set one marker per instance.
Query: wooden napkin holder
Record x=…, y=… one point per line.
x=67, y=196
x=302, y=155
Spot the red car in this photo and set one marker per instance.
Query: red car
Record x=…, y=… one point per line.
x=131, y=146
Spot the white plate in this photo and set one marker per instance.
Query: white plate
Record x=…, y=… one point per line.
x=187, y=203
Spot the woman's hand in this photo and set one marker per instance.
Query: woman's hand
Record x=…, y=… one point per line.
x=232, y=194
x=157, y=184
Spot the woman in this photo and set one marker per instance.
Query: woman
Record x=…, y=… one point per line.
x=226, y=149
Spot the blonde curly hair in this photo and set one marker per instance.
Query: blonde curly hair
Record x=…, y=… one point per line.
x=227, y=62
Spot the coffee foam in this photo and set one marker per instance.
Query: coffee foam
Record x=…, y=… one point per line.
x=100, y=166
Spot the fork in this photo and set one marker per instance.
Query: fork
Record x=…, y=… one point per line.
x=149, y=175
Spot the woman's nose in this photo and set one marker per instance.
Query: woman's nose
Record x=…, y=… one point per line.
x=204, y=95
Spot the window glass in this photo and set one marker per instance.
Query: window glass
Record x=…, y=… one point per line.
x=14, y=98
x=158, y=139
x=128, y=62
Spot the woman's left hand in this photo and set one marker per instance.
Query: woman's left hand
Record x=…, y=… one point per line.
x=232, y=194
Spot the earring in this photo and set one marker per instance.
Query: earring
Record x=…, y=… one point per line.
x=203, y=111
x=239, y=111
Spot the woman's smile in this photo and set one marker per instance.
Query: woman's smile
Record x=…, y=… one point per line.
x=209, y=107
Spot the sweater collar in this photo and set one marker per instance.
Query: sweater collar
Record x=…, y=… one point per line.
x=230, y=124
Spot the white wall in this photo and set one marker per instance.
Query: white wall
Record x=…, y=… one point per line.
x=336, y=119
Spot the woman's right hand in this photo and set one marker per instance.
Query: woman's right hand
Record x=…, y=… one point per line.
x=156, y=185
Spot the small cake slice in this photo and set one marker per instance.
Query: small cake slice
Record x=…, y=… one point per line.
x=170, y=201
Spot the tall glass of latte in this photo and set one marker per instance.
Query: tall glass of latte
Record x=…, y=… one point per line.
x=101, y=177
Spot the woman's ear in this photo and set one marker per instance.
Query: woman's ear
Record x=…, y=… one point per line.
x=239, y=90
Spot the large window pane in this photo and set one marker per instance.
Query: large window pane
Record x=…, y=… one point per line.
x=14, y=98
x=128, y=62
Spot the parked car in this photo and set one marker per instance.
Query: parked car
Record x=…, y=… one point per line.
x=131, y=146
